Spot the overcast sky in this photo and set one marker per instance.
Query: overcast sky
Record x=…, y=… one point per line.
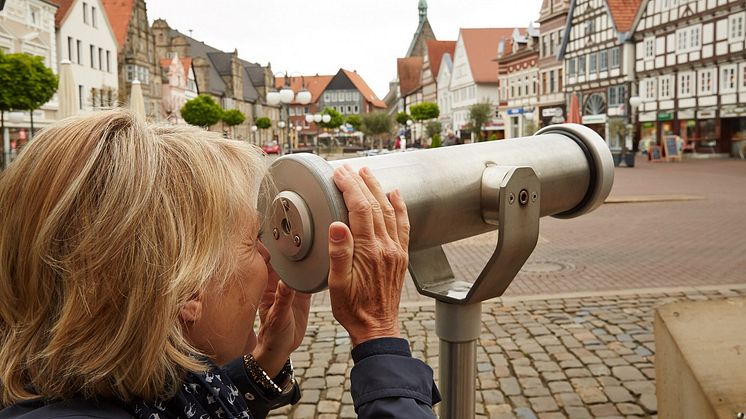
x=320, y=36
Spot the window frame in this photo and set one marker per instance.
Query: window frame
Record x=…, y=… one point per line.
x=733, y=68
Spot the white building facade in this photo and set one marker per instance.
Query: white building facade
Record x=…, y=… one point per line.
x=444, y=94
x=691, y=66
x=85, y=37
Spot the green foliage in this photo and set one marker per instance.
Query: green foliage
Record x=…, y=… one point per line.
x=337, y=119
x=263, y=122
x=376, y=124
x=233, y=117
x=402, y=118
x=436, y=141
x=618, y=131
x=433, y=128
x=25, y=82
x=355, y=121
x=201, y=111
x=479, y=114
x=492, y=137
x=424, y=111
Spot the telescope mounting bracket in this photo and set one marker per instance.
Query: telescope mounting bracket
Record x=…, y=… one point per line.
x=511, y=198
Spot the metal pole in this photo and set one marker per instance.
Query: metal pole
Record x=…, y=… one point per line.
x=458, y=326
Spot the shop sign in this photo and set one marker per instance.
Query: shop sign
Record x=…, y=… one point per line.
x=547, y=112
x=594, y=119
x=665, y=116
x=686, y=114
x=515, y=111
x=732, y=112
x=708, y=114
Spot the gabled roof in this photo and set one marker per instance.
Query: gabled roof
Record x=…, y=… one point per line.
x=623, y=13
x=314, y=84
x=435, y=51
x=364, y=89
x=119, y=13
x=63, y=8
x=481, y=46
x=424, y=31
x=186, y=64
x=409, y=71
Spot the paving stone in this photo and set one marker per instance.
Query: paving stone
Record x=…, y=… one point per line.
x=334, y=393
x=500, y=411
x=618, y=394
x=640, y=387
x=313, y=383
x=521, y=371
x=310, y=396
x=510, y=387
x=629, y=409
x=649, y=403
x=568, y=399
x=627, y=373
x=560, y=387
x=577, y=372
x=524, y=413
x=536, y=391
x=328, y=406
x=337, y=369
x=493, y=397
x=543, y=404
x=591, y=395
x=602, y=410
x=305, y=411
x=578, y=413
x=551, y=415
x=599, y=369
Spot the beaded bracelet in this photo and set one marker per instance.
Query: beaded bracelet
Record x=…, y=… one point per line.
x=269, y=385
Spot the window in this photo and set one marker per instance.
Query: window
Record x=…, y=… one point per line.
x=728, y=79
x=544, y=83
x=664, y=84
x=93, y=52
x=694, y=38
x=649, y=87
x=685, y=84
x=70, y=48
x=736, y=27
x=603, y=61
x=706, y=82
x=614, y=57
x=688, y=39
x=581, y=66
x=551, y=81
x=544, y=46
x=616, y=95
x=559, y=79
x=93, y=17
x=100, y=58
x=85, y=13
x=79, y=50
x=571, y=67
x=108, y=61
x=592, y=63
x=34, y=16
x=355, y=109
x=649, y=48
x=80, y=96
x=681, y=37
x=743, y=76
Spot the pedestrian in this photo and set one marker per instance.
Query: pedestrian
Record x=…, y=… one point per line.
x=132, y=271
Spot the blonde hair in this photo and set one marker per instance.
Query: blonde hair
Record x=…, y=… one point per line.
x=109, y=227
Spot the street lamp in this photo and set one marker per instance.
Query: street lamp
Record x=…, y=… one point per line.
x=254, y=128
x=285, y=96
x=281, y=126
x=634, y=104
x=317, y=118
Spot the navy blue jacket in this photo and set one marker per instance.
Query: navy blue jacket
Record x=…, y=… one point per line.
x=386, y=383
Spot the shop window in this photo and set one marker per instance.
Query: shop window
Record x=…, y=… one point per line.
x=728, y=79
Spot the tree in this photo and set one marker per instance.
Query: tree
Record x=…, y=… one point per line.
x=376, y=124
x=479, y=114
x=25, y=84
x=402, y=118
x=233, y=117
x=337, y=119
x=355, y=121
x=424, y=111
x=263, y=122
x=201, y=111
x=433, y=128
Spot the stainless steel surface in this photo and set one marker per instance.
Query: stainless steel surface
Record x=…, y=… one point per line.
x=294, y=231
x=443, y=189
x=458, y=357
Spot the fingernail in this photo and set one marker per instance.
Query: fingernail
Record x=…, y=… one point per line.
x=397, y=192
x=337, y=234
x=365, y=171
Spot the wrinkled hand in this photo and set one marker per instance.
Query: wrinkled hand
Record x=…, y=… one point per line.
x=368, y=260
x=283, y=317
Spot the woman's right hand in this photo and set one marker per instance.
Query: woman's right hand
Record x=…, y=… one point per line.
x=368, y=260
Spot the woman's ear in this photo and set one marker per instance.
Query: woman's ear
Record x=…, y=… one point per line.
x=191, y=312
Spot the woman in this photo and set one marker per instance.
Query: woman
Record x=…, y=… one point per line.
x=131, y=273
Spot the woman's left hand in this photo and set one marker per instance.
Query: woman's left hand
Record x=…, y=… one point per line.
x=283, y=314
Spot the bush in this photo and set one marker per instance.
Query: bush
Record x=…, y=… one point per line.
x=436, y=141
x=263, y=122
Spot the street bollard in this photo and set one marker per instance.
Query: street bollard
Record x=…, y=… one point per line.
x=451, y=193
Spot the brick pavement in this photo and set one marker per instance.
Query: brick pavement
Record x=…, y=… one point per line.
x=634, y=244
x=586, y=355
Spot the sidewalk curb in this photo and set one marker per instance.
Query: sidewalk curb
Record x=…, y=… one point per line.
x=581, y=294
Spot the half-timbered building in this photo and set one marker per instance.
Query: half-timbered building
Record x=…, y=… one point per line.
x=519, y=79
x=552, y=19
x=691, y=67
x=598, y=53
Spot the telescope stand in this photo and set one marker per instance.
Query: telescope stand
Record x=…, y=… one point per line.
x=458, y=327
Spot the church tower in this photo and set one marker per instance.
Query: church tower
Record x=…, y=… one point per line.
x=423, y=10
x=423, y=33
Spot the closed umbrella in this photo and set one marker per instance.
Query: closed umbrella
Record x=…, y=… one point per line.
x=137, y=103
x=66, y=92
x=573, y=114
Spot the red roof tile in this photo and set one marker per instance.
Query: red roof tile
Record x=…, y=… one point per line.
x=409, y=71
x=119, y=13
x=481, y=49
x=63, y=8
x=314, y=84
x=364, y=89
x=435, y=51
x=623, y=13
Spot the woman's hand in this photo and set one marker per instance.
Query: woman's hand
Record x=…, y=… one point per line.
x=368, y=260
x=283, y=314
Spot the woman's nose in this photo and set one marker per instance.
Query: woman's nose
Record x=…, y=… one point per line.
x=263, y=251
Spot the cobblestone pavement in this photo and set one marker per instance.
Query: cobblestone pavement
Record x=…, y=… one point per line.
x=635, y=243
x=577, y=355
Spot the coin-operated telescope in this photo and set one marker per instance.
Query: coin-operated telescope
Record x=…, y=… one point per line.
x=451, y=193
